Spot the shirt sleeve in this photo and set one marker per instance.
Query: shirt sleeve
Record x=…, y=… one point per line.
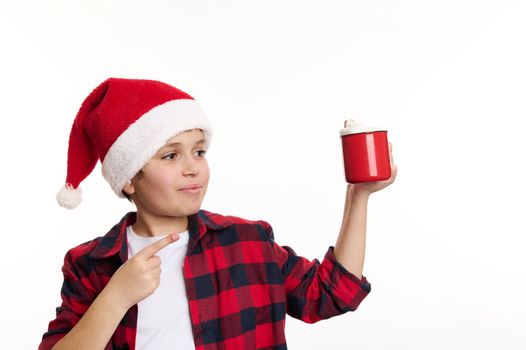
x=315, y=290
x=75, y=302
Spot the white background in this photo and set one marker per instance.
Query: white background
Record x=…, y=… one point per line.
x=277, y=79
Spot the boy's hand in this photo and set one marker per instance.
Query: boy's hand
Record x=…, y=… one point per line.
x=371, y=187
x=139, y=276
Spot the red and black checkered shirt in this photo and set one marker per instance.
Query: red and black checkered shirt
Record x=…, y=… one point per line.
x=240, y=284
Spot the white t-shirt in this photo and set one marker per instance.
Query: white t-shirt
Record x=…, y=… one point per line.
x=163, y=320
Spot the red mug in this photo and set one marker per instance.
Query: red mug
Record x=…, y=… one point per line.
x=365, y=153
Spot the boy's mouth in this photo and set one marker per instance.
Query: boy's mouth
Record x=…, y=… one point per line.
x=191, y=187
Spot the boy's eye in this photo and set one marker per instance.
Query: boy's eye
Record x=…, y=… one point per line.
x=170, y=155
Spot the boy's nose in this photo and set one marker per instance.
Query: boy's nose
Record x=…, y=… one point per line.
x=190, y=170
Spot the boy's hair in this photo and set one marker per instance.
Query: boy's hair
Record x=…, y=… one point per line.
x=127, y=196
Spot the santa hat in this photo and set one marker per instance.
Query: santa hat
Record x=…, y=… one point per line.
x=123, y=123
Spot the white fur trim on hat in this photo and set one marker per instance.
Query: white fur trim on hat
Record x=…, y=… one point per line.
x=139, y=143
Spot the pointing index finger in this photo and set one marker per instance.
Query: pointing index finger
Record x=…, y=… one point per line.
x=153, y=248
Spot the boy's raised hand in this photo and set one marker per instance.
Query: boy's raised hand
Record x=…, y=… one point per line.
x=139, y=276
x=371, y=187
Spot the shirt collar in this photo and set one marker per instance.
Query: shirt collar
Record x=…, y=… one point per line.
x=114, y=242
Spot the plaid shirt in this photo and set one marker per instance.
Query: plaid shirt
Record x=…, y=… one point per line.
x=239, y=282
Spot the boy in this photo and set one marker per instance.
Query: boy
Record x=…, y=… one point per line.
x=225, y=283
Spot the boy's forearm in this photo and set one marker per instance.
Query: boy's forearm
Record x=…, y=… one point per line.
x=349, y=249
x=95, y=328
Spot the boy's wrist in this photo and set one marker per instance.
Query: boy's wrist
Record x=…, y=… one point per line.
x=111, y=300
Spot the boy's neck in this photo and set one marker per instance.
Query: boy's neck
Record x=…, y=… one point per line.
x=150, y=226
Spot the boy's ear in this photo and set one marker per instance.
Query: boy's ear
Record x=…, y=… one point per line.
x=128, y=188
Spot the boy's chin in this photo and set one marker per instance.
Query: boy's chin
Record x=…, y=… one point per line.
x=192, y=210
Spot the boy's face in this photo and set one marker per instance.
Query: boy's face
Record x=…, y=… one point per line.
x=157, y=189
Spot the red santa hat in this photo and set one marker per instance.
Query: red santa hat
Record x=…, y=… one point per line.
x=123, y=123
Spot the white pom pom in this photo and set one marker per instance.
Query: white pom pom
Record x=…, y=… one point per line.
x=68, y=197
